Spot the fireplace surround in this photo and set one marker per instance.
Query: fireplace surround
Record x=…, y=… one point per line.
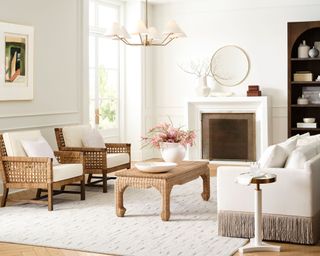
x=259, y=107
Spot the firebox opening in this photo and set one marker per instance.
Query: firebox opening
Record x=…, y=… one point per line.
x=227, y=136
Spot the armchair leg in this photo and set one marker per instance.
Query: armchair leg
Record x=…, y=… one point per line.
x=4, y=197
x=89, y=178
x=82, y=188
x=38, y=195
x=50, y=197
x=104, y=182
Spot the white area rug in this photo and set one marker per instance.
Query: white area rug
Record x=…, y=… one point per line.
x=92, y=225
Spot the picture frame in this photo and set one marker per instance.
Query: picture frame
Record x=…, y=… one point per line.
x=16, y=62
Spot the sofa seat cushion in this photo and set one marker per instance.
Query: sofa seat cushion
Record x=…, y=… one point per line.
x=301, y=155
x=73, y=135
x=66, y=171
x=117, y=159
x=12, y=141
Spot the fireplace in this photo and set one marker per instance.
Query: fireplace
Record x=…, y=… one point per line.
x=257, y=109
x=228, y=136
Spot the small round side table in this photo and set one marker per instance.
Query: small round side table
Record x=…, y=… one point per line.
x=256, y=244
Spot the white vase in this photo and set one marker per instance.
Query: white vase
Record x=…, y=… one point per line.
x=202, y=89
x=172, y=152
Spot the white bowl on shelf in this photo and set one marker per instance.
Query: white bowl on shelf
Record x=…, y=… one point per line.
x=155, y=167
x=309, y=120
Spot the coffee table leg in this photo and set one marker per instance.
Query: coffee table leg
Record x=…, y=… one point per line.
x=206, y=186
x=120, y=210
x=165, y=192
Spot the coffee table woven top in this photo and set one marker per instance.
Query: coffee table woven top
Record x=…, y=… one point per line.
x=181, y=169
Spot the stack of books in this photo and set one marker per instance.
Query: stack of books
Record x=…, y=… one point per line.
x=253, y=90
x=306, y=125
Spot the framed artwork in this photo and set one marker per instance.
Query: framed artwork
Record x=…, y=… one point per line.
x=16, y=62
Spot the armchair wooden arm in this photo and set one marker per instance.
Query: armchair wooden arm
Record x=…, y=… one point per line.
x=69, y=157
x=118, y=148
x=27, y=169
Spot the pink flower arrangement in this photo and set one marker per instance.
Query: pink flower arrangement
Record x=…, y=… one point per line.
x=165, y=132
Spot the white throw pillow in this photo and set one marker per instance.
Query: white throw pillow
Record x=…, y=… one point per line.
x=92, y=139
x=274, y=156
x=302, y=154
x=39, y=148
x=307, y=140
x=289, y=145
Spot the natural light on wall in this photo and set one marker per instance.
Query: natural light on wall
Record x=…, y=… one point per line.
x=104, y=71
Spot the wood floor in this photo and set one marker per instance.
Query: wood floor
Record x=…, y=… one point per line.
x=7, y=249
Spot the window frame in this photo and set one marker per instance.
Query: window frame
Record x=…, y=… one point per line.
x=117, y=133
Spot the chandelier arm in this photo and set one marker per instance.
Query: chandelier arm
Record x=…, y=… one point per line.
x=166, y=38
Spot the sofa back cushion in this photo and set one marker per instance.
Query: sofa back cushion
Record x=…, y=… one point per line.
x=73, y=135
x=12, y=141
x=302, y=154
x=274, y=156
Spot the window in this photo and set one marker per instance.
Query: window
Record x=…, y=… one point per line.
x=104, y=68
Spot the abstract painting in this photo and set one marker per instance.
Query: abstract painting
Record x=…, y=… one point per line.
x=15, y=58
x=16, y=62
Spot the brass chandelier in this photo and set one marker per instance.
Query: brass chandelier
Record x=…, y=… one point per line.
x=146, y=36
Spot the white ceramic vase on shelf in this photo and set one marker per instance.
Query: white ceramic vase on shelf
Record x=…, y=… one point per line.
x=202, y=89
x=172, y=152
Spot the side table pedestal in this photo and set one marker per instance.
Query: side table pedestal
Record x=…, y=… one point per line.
x=256, y=244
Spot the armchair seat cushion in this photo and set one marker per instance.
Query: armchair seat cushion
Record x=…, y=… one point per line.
x=66, y=171
x=117, y=159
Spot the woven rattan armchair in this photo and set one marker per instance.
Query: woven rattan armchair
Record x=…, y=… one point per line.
x=22, y=172
x=99, y=161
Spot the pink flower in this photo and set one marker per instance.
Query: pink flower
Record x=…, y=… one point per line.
x=165, y=132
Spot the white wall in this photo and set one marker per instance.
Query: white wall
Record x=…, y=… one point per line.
x=259, y=27
x=57, y=66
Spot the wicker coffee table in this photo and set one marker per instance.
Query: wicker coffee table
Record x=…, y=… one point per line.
x=186, y=171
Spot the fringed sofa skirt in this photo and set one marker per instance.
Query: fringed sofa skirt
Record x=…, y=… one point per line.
x=293, y=229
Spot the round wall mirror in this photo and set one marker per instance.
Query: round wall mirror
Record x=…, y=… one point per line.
x=230, y=65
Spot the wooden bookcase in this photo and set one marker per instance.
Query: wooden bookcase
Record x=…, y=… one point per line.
x=297, y=32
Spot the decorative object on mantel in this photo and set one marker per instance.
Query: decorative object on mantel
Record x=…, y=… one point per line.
x=302, y=100
x=313, y=52
x=201, y=69
x=171, y=141
x=302, y=76
x=253, y=90
x=230, y=65
x=17, y=61
x=318, y=79
x=303, y=50
x=147, y=36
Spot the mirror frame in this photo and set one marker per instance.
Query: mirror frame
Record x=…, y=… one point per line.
x=248, y=65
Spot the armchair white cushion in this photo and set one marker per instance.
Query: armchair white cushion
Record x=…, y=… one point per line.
x=12, y=141
x=117, y=159
x=92, y=138
x=66, y=171
x=73, y=135
x=39, y=148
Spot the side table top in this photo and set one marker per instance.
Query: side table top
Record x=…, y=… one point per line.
x=180, y=169
x=267, y=178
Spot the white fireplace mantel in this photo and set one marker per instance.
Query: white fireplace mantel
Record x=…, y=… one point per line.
x=260, y=106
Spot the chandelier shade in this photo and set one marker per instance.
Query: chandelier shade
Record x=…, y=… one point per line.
x=146, y=36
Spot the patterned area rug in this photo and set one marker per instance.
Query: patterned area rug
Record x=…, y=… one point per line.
x=92, y=225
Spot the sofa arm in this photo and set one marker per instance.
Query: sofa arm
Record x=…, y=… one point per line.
x=291, y=194
x=69, y=157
